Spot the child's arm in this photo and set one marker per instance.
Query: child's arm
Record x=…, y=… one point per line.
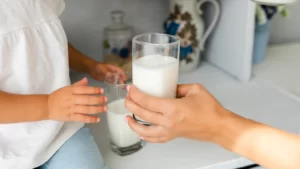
x=71, y=103
x=22, y=108
x=97, y=70
x=78, y=61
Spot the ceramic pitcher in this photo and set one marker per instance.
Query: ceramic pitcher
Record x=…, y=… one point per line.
x=185, y=20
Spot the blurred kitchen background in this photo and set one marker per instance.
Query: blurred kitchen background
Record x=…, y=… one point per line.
x=286, y=30
x=84, y=21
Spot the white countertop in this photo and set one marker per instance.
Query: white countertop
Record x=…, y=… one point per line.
x=258, y=102
x=281, y=67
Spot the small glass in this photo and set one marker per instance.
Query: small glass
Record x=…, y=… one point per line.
x=123, y=140
x=155, y=65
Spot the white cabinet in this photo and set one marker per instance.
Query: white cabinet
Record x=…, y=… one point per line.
x=230, y=49
x=230, y=46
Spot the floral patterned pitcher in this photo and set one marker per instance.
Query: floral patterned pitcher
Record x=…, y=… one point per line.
x=185, y=20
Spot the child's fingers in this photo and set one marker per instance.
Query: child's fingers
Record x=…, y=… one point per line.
x=89, y=109
x=89, y=100
x=86, y=90
x=85, y=118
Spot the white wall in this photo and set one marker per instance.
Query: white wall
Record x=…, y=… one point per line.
x=287, y=29
x=84, y=20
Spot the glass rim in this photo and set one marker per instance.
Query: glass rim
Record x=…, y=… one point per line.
x=117, y=85
x=134, y=40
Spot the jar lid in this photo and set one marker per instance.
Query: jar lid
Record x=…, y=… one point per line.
x=117, y=17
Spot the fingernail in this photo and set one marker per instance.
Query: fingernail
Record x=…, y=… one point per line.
x=142, y=138
x=98, y=119
x=105, y=108
x=105, y=99
x=101, y=90
x=126, y=119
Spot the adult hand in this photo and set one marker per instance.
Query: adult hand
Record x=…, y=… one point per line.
x=76, y=103
x=195, y=114
x=98, y=70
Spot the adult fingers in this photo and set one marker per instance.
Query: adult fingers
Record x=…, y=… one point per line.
x=150, y=103
x=86, y=90
x=162, y=139
x=90, y=100
x=85, y=118
x=142, y=130
x=89, y=109
x=152, y=117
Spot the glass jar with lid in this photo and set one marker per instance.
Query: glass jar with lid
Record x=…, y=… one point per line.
x=117, y=42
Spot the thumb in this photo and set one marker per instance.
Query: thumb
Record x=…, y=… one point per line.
x=82, y=82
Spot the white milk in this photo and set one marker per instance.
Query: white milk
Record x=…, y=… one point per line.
x=120, y=133
x=156, y=75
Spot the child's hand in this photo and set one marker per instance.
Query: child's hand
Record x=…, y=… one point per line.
x=75, y=103
x=98, y=70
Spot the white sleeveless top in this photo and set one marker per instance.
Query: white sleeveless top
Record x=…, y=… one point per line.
x=33, y=60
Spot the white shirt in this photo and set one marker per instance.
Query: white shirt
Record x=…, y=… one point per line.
x=33, y=60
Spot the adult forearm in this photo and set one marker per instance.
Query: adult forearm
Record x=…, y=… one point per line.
x=22, y=108
x=269, y=147
x=79, y=62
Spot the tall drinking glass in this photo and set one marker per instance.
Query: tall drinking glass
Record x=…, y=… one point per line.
x=123, y=140
x=155, y=65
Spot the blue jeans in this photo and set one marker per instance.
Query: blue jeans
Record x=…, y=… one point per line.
x=79, y=152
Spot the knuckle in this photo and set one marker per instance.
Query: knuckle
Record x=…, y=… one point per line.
x=169, y=107
x=196, y=86
x=94, y=90
x=172, y=108
x=69, y=116
x=89, y=99
x=100, y=109
x=87, y=109
x=85, y=119
x=76, y=108
x=200, y=86
x=93, y=100
x=71, y=109
x=74, y=89
x=169, y=123
x=84, y=109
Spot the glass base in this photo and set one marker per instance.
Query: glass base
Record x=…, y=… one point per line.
x=123, y=151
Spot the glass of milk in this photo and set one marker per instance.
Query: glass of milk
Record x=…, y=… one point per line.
x=155, y=65
x=123, y=140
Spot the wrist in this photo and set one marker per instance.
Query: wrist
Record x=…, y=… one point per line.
x=45, y=107
x=227, y=129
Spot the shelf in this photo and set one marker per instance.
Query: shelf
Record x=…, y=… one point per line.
x=281, y=68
